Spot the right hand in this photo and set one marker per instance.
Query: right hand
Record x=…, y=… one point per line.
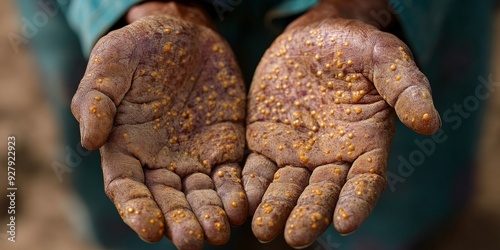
x=164, y=101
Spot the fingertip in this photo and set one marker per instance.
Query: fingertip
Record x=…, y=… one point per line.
x=349, y=215
x=236, y=208
x=184, y=229
x=306, y=223
x=182, y=226
x=89, y=140
x=137, y=208
x=215, y=225
x=144, y=217
x=96, y=113
x=416, y=110
x=207, y=207
x=269, y=220
x=314, y=211
x=278, y=201
x=357, y=200
x=83, y=135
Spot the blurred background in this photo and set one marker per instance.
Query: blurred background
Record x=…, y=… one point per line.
x=51, y=215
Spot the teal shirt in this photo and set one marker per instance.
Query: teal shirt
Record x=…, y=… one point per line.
x=91, y=19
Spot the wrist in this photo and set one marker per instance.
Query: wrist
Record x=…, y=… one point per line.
x=367, y=11
x=190, y=11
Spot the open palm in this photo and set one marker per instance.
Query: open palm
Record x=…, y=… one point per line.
x=320, y=123
x=165, y=100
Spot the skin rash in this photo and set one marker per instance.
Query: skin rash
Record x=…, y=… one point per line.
x=168, y=117
x=320, y=120
x=320, y=113
x=164, y=101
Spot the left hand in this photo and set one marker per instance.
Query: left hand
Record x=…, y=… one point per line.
x=320, y=123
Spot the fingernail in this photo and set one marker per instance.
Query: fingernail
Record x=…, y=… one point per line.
x=83, y=133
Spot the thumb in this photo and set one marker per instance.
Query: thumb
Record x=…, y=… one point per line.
x=107, y=79
x=95, y=112
x=399, y=81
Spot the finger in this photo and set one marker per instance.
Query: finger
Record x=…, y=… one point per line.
x=258, y=173
x=227, y=180
x=107, y=78
x=124, y=185
x=314, y=210
x=398, y=79
x=207, y=206
x=281, y=196
x=95, y=112
x=365, y=182
x=182, y=226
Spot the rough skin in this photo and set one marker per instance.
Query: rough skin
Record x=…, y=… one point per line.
x=320, y=122
x=164, y=101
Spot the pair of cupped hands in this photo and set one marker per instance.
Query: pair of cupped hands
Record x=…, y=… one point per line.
x=164, y=101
